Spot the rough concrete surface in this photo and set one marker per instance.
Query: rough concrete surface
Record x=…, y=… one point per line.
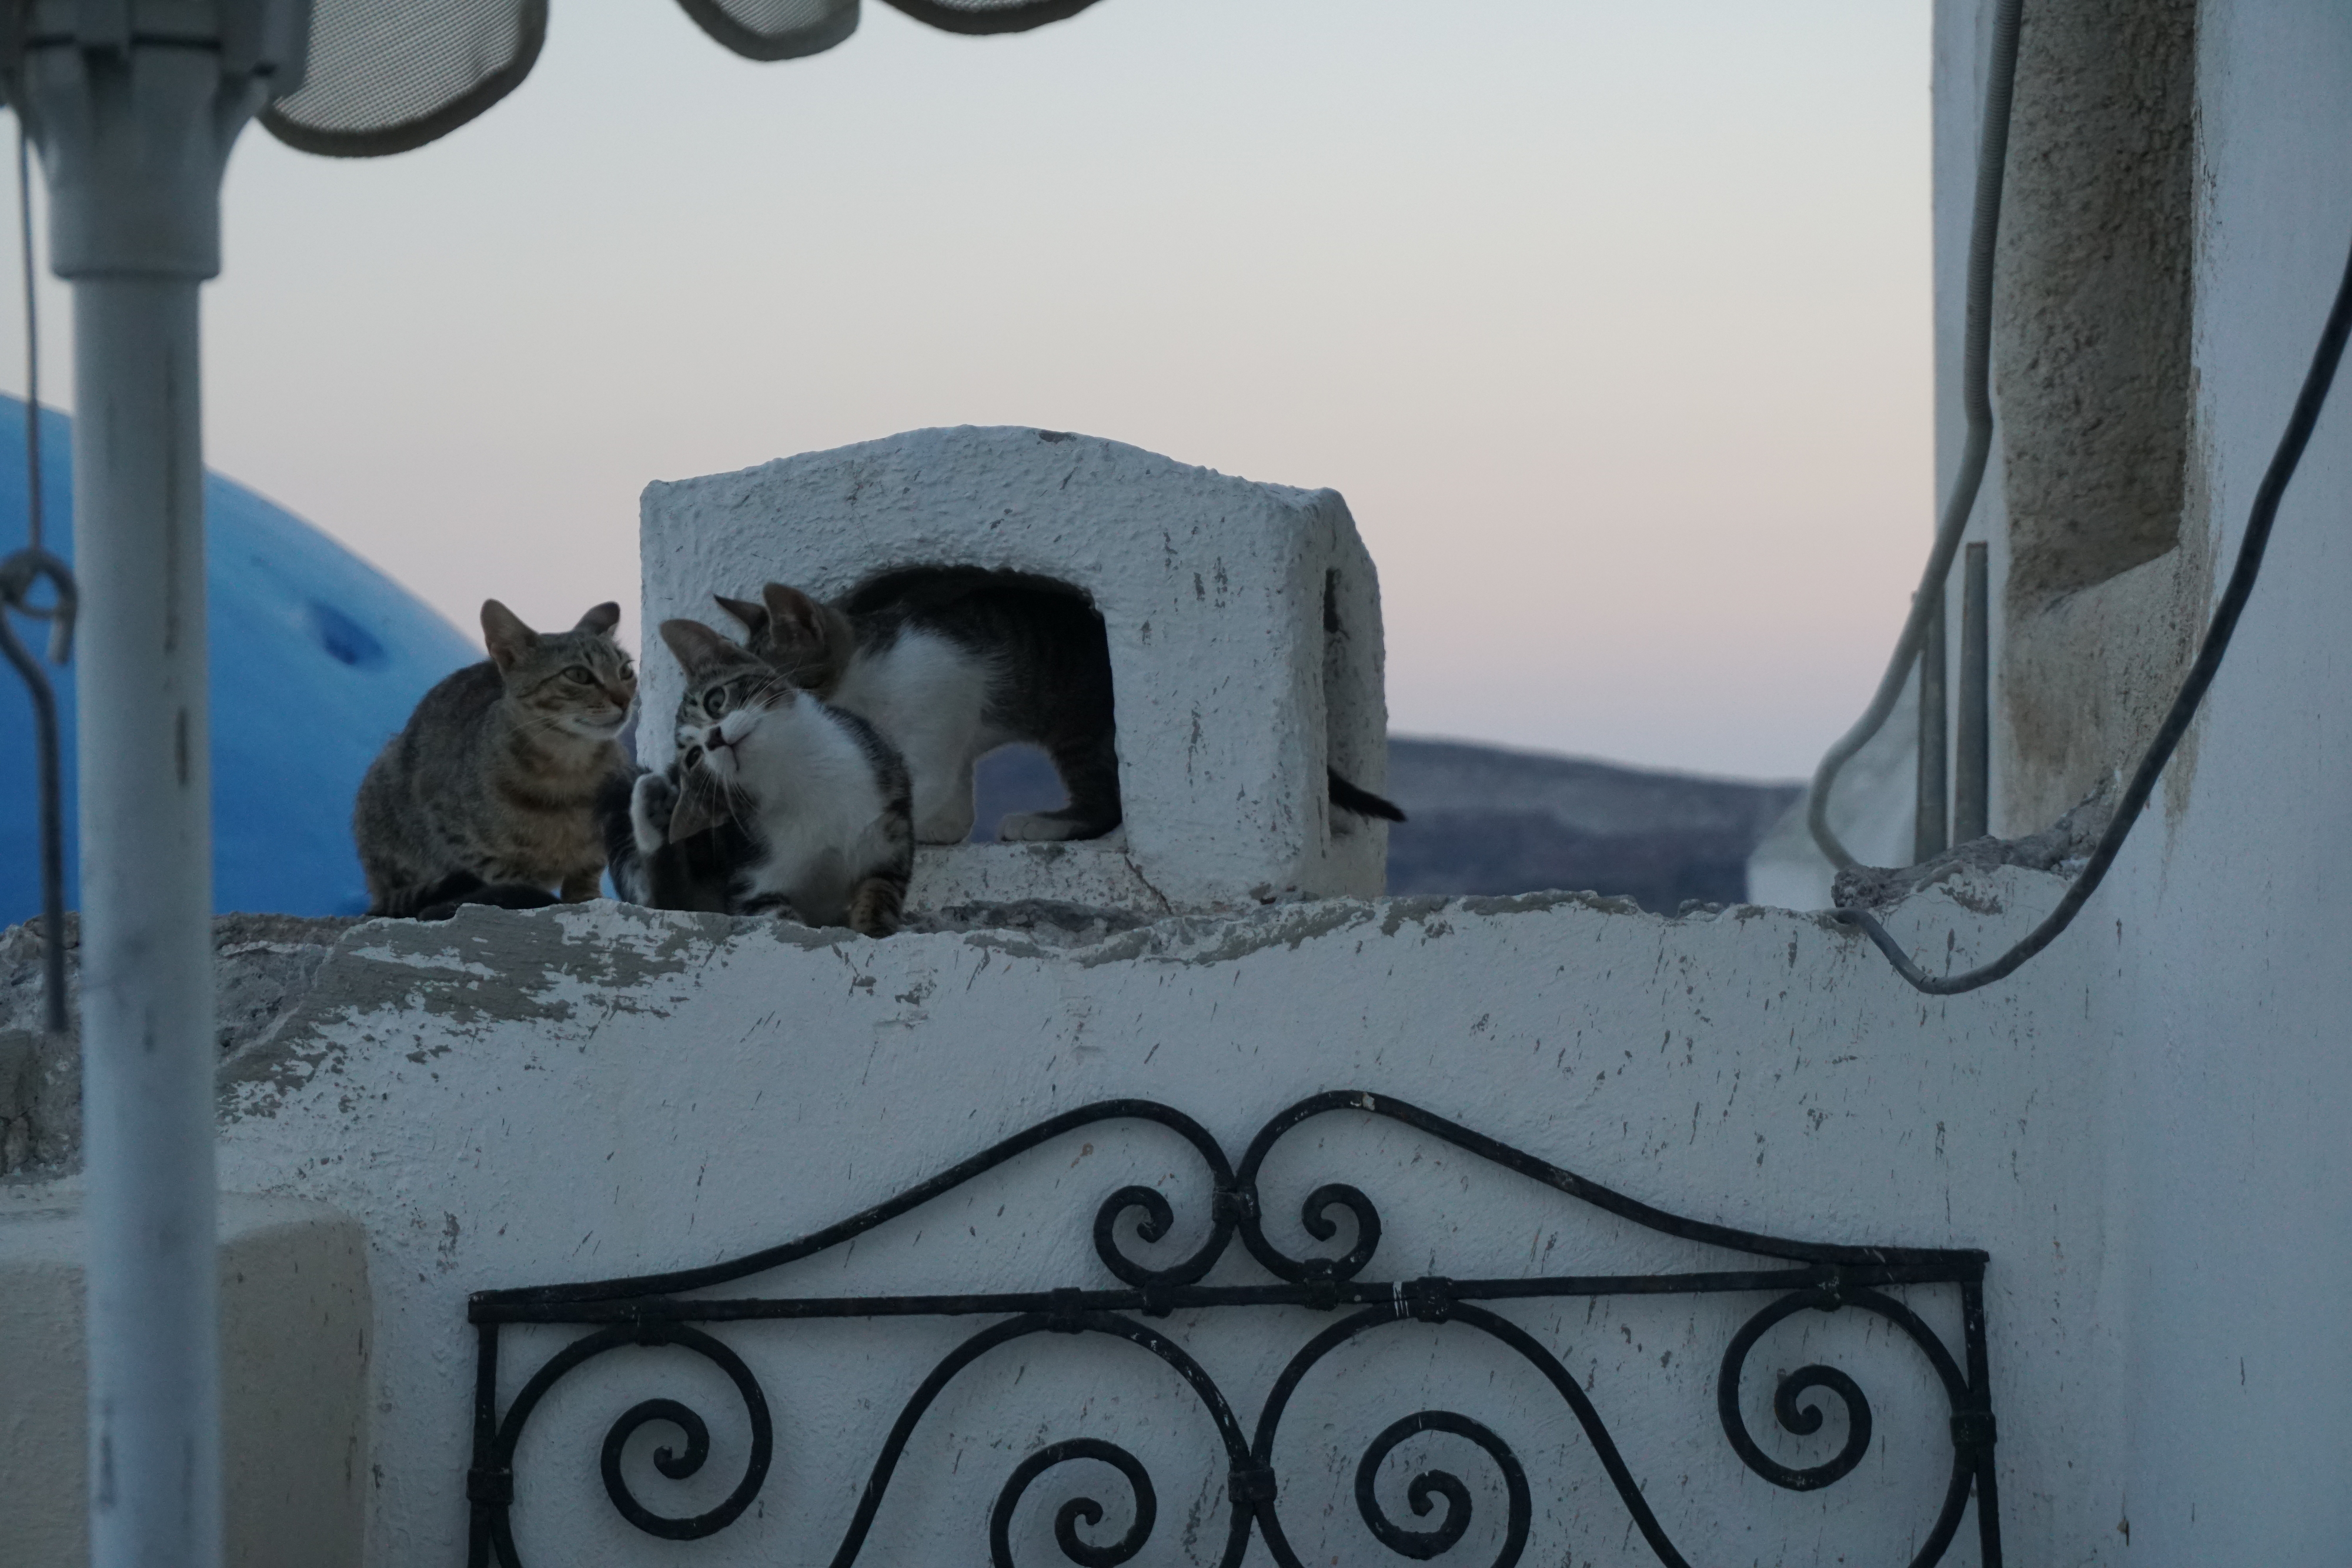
x=1098, y=872
x=2091, y=353
x=2101, y=465
x=511, y=1099
x=2060, y=847
x=267, y=963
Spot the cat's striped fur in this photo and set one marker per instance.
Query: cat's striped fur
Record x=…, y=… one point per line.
x=488, y=794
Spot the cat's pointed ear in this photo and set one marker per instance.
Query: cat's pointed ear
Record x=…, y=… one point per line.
x=754, y=617
x=695, y=644
x=794, y=620
x=696, y=811
x=601, y=620
x=505, y=635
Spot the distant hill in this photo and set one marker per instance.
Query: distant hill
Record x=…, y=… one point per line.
x=1487, y=819
x=1491, y=821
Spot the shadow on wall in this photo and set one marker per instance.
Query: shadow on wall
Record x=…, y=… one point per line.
x=1489, y=820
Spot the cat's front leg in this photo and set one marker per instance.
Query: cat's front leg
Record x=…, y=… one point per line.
x=770, y=906
x=875, y=908
x=580, y=886
x=942, y=798
x=651, y=801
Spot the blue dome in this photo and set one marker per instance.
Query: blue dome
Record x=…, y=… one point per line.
x=317, y=659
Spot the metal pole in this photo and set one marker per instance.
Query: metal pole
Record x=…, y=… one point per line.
x=1929, y=834
x=1971, y=788
x=134, y=104
x=148, y=1045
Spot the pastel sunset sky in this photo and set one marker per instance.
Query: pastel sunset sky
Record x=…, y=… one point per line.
x=1610, y=322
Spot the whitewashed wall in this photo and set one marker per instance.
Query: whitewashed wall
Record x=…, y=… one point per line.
x=2146, y=1128
x=516, y=1100
x=2222, y=925
x=2226, y=923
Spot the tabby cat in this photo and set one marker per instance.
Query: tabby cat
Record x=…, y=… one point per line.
x=489, y=795
x=951, y=665
x=777, y=803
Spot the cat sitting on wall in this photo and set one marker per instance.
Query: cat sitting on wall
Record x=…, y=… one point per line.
x=950, y=664
x=777, y=803
x=487, y=796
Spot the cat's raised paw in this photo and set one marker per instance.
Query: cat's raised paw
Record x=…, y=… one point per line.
x=651, y=801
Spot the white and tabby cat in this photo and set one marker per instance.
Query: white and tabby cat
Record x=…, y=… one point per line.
x=777, y=803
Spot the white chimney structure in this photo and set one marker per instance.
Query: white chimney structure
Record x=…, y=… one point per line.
x=1244, y=622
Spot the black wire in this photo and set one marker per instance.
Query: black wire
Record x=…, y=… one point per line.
x=1976, y=398
x=2299, y=426
x=31, y=345
x=18, y=574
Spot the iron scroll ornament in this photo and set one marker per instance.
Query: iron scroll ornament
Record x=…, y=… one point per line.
x=1800, y=1277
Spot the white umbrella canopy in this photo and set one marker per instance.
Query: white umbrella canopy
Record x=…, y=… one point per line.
x=386, y=76
x=134, y=105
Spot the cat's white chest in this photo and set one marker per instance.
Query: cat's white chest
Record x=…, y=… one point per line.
x=930, y=696
x=920, y=690
x=819, y=812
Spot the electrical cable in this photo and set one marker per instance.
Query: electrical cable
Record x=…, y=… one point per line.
x=34, y=519
x=2282, y=465
x=1976, y=390
x=18, y=574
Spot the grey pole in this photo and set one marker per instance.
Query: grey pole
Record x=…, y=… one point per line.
x=146, y=900
x=1929, y=835
x=1972, y=785
x=134, y=104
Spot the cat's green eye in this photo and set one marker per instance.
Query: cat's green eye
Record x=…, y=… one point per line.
x=628, y=671
x=579, y=673
x=714, y=701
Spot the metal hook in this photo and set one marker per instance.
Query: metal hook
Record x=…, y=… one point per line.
x=18, y=573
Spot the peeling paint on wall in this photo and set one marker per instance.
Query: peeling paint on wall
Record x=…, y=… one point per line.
x=518, y=1098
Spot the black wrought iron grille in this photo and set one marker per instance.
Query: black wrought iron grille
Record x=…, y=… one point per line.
x=1801, y=1277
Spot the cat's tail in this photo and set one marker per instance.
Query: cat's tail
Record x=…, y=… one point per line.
x=1363, y=802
